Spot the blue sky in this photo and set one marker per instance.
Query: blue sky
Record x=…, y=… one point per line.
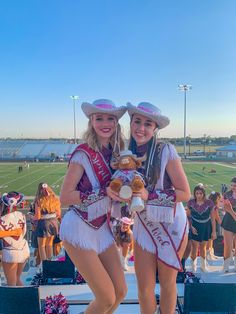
x=125, y=50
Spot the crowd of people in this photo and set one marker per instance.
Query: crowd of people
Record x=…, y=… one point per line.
x=161, y=237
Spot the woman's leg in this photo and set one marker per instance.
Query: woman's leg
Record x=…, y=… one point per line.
x=91, y=268
x=209, y=244
x=194, y=250
x=125, y=248
x=145, y=264
x=20, y=267
x=202, y=247
x=41, y=248
x=10, y=270
x=49, y=247
x=186, y=253
x=228, y=243
x=167, y=278
x=111, y=262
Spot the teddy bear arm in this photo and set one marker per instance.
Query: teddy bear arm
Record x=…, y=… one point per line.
x=137, y=185
x=115, y=185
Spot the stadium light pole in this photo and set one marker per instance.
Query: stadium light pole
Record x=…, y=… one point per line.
x=184, y=88
x=74, y=98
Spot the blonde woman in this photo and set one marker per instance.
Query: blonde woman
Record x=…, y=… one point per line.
x=47, y=212
x=84, y=229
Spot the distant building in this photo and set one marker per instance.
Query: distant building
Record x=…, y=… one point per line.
x=226, y=151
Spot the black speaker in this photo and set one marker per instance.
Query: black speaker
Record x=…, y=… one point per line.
x=209, y=297
x=59, y=272
x=19, y=300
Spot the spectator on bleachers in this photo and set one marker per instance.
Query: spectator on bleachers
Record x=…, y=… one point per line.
x=47, y=211
x=200, y=210
x=229, y=225
x=15, y=247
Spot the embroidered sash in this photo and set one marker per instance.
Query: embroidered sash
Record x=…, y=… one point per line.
x=161, y=206
x=94, y=204
x=98, y=163
x=165, y=248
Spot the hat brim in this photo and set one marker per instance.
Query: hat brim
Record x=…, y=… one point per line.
x=5, y=199
x=160, y=120
x=127, y=223
x=89, y=109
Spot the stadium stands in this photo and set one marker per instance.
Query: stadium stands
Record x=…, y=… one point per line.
x=12, y=150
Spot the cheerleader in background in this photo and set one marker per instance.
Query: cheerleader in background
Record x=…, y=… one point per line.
x=215, y=197
x=229, y=225
x=124, y=239
x=200, y=211
x=15, y=250
x=47, y=211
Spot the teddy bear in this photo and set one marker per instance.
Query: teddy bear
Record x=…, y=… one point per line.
x=127, y=180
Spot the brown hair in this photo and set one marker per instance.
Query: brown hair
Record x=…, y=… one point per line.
x=201, y=188
x=233, y=180
x=214, y=196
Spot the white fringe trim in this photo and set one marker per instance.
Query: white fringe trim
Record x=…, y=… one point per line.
x=116, y=209
x=16, y=256
x=99, y=208
x=160, y=214
x=78, y=233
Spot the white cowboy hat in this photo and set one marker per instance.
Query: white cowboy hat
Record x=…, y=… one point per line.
x=103, y=106
x=148, y=110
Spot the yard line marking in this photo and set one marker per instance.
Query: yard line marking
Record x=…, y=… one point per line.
x=224, y=165
x=47, y=174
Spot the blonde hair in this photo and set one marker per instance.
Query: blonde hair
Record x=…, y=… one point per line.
x=50, y=202
x=90, y=137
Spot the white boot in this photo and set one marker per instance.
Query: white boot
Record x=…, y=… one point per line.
x=210, y=255
x=203, y=264
x=126, y=267
x=193, y=265
x=157, y=310
x=226, y=264
x=124, y=262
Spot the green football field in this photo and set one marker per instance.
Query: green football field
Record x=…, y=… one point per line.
x=53, y=173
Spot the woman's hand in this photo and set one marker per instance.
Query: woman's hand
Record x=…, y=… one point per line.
x=229, y=209
x=213, y=236
x=115, y=196
x=227, y=206
x=194, y=230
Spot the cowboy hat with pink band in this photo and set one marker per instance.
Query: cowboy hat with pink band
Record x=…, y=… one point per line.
x=150, y=111
x=103, y=106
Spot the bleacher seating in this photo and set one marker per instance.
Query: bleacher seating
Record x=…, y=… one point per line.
x=30, y=150
x=9, y=149
x=34, y=149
